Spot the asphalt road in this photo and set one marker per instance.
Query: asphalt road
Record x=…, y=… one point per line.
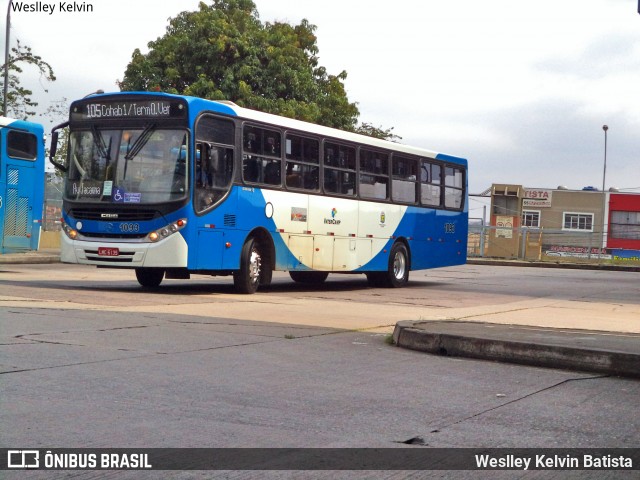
x=89, y=359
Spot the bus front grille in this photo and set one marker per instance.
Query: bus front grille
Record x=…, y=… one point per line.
x=137, y=215
x=123, y=236
x=123, y=257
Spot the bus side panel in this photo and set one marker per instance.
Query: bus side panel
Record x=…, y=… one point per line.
x=333, y=223
x=290, y=214
x=211, y=232
x=436, y=238
x=254, y=208
x=440, y=239
x=379, y=224
x=333, y=234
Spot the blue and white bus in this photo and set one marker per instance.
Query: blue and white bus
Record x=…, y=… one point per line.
x=173, y=186
x=21, y=185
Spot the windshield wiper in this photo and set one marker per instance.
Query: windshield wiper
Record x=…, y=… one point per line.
x=140, y=142
x=103, y=151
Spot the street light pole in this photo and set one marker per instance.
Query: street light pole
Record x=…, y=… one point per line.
x=604, y=194
x=604, y=173
x=6, y=61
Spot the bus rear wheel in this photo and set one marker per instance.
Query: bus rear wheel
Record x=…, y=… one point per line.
x=308, y=277
x=397, y=274
x=248, y=278
x=149, y=277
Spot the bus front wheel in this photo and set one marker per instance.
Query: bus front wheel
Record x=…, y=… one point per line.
x=248, y=278
x=149, y=277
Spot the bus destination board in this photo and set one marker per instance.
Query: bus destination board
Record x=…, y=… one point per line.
x=127, y=109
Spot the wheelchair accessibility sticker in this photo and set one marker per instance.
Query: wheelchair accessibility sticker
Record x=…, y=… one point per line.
x=120, y=196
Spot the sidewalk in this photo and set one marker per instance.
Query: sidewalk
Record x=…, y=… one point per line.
x=539, y=264
x=603, y=339
x=610, y=353
x=48, y=255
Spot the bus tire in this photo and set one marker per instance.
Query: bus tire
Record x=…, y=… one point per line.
x=398, y=270
x=397, y=274
x=247, y=279
x=149, y=277
x=308, y=277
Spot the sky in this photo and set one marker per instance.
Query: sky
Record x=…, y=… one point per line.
x=520, y=89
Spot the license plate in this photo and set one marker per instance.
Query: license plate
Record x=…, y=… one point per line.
x=108, y=252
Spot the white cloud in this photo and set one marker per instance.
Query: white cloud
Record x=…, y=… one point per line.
x=521, y=89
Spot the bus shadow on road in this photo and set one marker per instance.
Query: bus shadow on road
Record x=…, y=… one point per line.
x=207, y=286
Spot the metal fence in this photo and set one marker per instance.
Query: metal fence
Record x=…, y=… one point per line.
x=52, y=213
x=536, y=244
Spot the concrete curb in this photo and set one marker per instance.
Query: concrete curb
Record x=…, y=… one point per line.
x=539, y=264
x=538, y=354
x=30, y=258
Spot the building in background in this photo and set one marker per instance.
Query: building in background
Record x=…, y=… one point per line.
x=533, y=223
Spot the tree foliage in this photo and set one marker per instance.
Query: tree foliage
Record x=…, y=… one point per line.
x=378, y=132
x=57, y=113
x=223, y=51
x=19, y=102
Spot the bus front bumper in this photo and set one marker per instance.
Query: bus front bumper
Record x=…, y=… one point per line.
x=168, y=253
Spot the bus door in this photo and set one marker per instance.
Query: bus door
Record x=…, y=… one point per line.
x=19, y=181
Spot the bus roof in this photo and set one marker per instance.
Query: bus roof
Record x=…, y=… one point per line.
x=6, y=121
x=230, y=108
x=21, y=125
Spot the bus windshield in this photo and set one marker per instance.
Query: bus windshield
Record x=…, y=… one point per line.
x=144, y=165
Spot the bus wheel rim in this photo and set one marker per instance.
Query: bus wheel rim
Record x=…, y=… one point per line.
x=399, y=266
x=254, y=266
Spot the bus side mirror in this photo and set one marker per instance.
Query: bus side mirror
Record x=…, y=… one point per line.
x=54, y=147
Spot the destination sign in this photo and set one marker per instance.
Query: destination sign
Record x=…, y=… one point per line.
x=127, y=109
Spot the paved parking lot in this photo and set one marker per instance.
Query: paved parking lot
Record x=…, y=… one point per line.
x=89, y=359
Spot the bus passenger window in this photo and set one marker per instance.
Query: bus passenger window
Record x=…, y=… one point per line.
x=22, y=145
x=272, y=173
x=261, y=160
x=214, y=173
x=250, y=169
x=341, y=177
x=374, y=176
x=214, y=162
x=304, y=173
x=250, y=142
x=454, y=187
x=404, y=184
x=430, y=188
x=302, y=176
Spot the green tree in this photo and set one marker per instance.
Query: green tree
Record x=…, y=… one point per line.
x=223, y=51
x=58, y=112
x=19, y=101
x=378, y=132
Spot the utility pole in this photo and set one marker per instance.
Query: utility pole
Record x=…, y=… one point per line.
x=6, y=61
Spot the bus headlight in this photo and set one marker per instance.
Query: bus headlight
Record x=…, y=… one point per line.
x=70, y=232
x=167, y=231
